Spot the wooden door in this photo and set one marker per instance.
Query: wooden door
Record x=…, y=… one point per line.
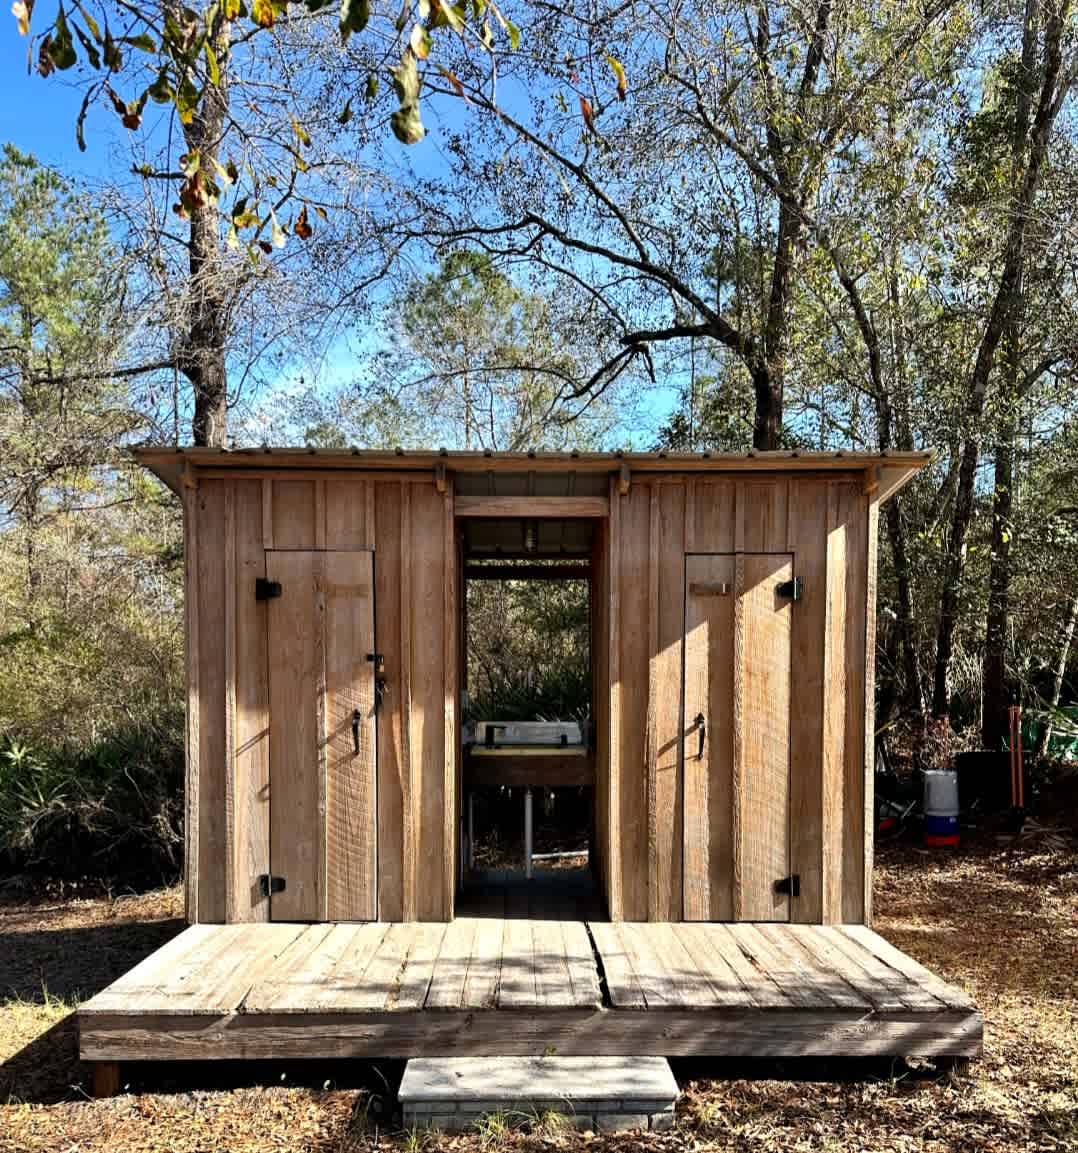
x=323, y=832
x=737, y=736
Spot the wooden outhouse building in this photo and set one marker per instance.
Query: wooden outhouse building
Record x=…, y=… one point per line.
x=729, y=755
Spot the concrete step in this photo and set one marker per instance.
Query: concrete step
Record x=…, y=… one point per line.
x=605, y=1094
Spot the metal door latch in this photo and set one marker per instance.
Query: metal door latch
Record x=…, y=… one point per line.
x=268, y=883
x=790, y=885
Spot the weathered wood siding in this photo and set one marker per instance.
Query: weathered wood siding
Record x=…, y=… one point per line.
x=823, y=522
x=232, y=525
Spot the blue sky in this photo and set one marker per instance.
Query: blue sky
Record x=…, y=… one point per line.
x=38, y=115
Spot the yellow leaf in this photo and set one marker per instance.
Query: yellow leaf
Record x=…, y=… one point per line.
x=21, y=11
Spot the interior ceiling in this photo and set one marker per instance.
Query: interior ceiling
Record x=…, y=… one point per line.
x=512, y=538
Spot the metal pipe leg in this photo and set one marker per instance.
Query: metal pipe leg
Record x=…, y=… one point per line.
x=528, y=833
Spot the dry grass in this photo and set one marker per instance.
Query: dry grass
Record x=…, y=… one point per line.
x=1001, y=920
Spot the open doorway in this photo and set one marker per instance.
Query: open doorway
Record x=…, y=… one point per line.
x=528, y=758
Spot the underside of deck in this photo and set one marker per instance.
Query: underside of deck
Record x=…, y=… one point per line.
x=492, y=986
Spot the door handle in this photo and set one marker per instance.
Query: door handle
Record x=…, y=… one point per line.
x=357, y=716
x=700, y=724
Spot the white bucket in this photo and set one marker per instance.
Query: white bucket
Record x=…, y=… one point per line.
x=941, y=807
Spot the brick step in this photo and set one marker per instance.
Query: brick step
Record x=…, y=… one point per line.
x=606, y=1094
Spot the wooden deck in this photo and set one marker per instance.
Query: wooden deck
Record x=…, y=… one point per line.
x=491, y=986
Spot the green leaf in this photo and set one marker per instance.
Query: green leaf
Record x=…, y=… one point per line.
x=87, y=19
x=144, y=42
x=354, y=17
x=345, y=113
x=187, y=99
x=114, y=58
x=213, y=69
x=407, y=125
x=406, y=122
x=301, y=134
x=88, y=46
x=61, y=48
x=371, y=90
x=514, y=35
x=406, y=79
x=161, y=89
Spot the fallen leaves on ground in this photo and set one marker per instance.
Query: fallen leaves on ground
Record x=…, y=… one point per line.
x=1000, y=918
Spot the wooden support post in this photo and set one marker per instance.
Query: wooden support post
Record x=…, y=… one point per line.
x=106, y=1078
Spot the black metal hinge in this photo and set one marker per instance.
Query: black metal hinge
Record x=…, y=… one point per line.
x=265, y=589
x=791, y=589
x=268, y=883
x=790, y=885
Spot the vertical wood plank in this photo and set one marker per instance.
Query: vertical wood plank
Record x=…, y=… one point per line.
x=868, y=840
x=351, y=787
x=765, y=515
x=833, y=781
x=251, y=691
x=410, y=824
x=229, y=593
x=393, y=786
x=191, y=727
x=737, y=716
x=294, y=514
x=428, y=580
x=349, y=520
x=713, y=514
x=320, y=513
x=808, y=537
x=297, y=687
x=666, y=900
x=451, y=697
x=267, y=512
x=853, y=511
x=651, y=738
x=615, y=901
x=213, y=845
x=708, y=788
x=634, y=628
x=762, y=762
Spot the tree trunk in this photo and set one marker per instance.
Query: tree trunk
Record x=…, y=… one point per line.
x=1060, y=676
x=996, y=697
x=202, y=356
x=1029, y=151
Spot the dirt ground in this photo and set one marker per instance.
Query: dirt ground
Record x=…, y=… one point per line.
x=999, y=918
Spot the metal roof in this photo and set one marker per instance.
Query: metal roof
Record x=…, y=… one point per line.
x=169, y=462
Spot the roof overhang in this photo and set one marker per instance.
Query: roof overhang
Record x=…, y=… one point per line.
x=883, y=473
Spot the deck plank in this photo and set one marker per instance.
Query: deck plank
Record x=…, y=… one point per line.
x=418, y=969
x=950, y=995
x=621, y=979
x=726, y=987
x=822, y=979
x=518, y=987
x=350, y=986
x=150, y=973
x=282, y=989
x=829, y=955
x=761, y=985
x=783, y=970
x=484, y=966
x=379, y=985
x=225, y=985
x=689, y=984
x=908, y=993
x=553, y=985
x=580, y=958
x=451, y=965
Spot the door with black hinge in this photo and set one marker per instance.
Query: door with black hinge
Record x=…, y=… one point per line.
x=323, y=804
x=736, y=751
